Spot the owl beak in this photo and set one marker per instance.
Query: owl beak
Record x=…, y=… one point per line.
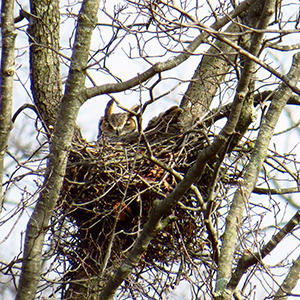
x=118, y=131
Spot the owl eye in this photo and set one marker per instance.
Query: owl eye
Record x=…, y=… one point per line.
x=128, y=123
x=106, y=125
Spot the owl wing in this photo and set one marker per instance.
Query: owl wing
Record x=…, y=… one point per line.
x=163, y=121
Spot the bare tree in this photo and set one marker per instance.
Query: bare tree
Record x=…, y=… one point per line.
x=203, y=194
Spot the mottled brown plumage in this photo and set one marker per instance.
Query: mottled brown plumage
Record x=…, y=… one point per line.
x=117, y=124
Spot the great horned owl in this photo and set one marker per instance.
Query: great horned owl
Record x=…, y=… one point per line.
x=117, y=124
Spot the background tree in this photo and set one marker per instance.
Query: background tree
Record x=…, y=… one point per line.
x=175, y=201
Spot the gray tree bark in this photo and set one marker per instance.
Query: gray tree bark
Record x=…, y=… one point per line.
x=6, y=84
x=59, y=150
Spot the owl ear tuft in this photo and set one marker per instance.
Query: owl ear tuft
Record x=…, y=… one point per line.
x=109, y=108
x=135, y=108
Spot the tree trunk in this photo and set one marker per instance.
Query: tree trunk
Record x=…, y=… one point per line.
x=44, y=39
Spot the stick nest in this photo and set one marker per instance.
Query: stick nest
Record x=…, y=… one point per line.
x=111, y=187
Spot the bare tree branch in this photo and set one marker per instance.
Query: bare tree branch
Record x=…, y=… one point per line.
x=236, y=210
x=267, y=191
x=290, y=281
x=242, y=194
x=170, y=63
x=6, y=80
x=248, y=260
x=60, y=146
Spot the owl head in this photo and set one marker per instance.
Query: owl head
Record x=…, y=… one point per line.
x=117, y=124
